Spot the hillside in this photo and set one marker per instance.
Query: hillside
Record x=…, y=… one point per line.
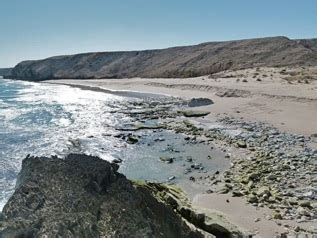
x=185, y=61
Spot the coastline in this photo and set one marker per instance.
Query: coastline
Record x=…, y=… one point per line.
x=255, y=219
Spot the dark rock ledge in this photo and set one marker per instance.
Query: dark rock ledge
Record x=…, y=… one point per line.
x=84, y=196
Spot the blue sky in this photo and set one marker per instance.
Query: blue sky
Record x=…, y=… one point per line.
x=34, y=29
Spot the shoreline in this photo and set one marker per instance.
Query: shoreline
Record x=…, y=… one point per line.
x=257, y=221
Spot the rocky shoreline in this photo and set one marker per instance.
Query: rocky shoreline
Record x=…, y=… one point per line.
x=269, y=168
x=277, y=170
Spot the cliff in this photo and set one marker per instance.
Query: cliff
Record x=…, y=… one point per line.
x=185, y=61
x=84, y=196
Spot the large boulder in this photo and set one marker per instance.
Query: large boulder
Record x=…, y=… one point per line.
x=84, y=196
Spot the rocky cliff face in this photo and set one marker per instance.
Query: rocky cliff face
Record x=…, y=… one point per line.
x=84, y=196
x=187, y=61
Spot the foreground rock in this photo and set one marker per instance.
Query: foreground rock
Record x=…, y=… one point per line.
x=84, y=196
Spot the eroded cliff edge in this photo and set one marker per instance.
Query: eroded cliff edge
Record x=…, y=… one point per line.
x=84, y=196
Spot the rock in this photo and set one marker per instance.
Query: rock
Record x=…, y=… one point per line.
x=117, y=161
x=168, y=160
x=228, y=185
x=314, y=205
x=189, y=159
x=237, y=193
x=159, y=139
x=187, y=171
x=305, y=204
x=271, y=177
x=194, y=113
x=196, y=166
x=284, y=235
x=252, y=199
x=302, y=211
x=253, y=177
x=83, y=196
x=264, y=190
x=241, y=144
x=223, y=189
x=277, y=215
x=297, y=229
x=292, y=201
x=198, y=102
x=132, y=140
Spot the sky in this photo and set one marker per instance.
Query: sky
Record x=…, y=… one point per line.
x=35, y=29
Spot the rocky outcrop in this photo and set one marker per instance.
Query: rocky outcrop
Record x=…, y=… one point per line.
x=186, y=61
x=208, y=221
x=5, y=71
x=84, y=196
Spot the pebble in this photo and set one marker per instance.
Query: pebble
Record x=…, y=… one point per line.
x=257, y=219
